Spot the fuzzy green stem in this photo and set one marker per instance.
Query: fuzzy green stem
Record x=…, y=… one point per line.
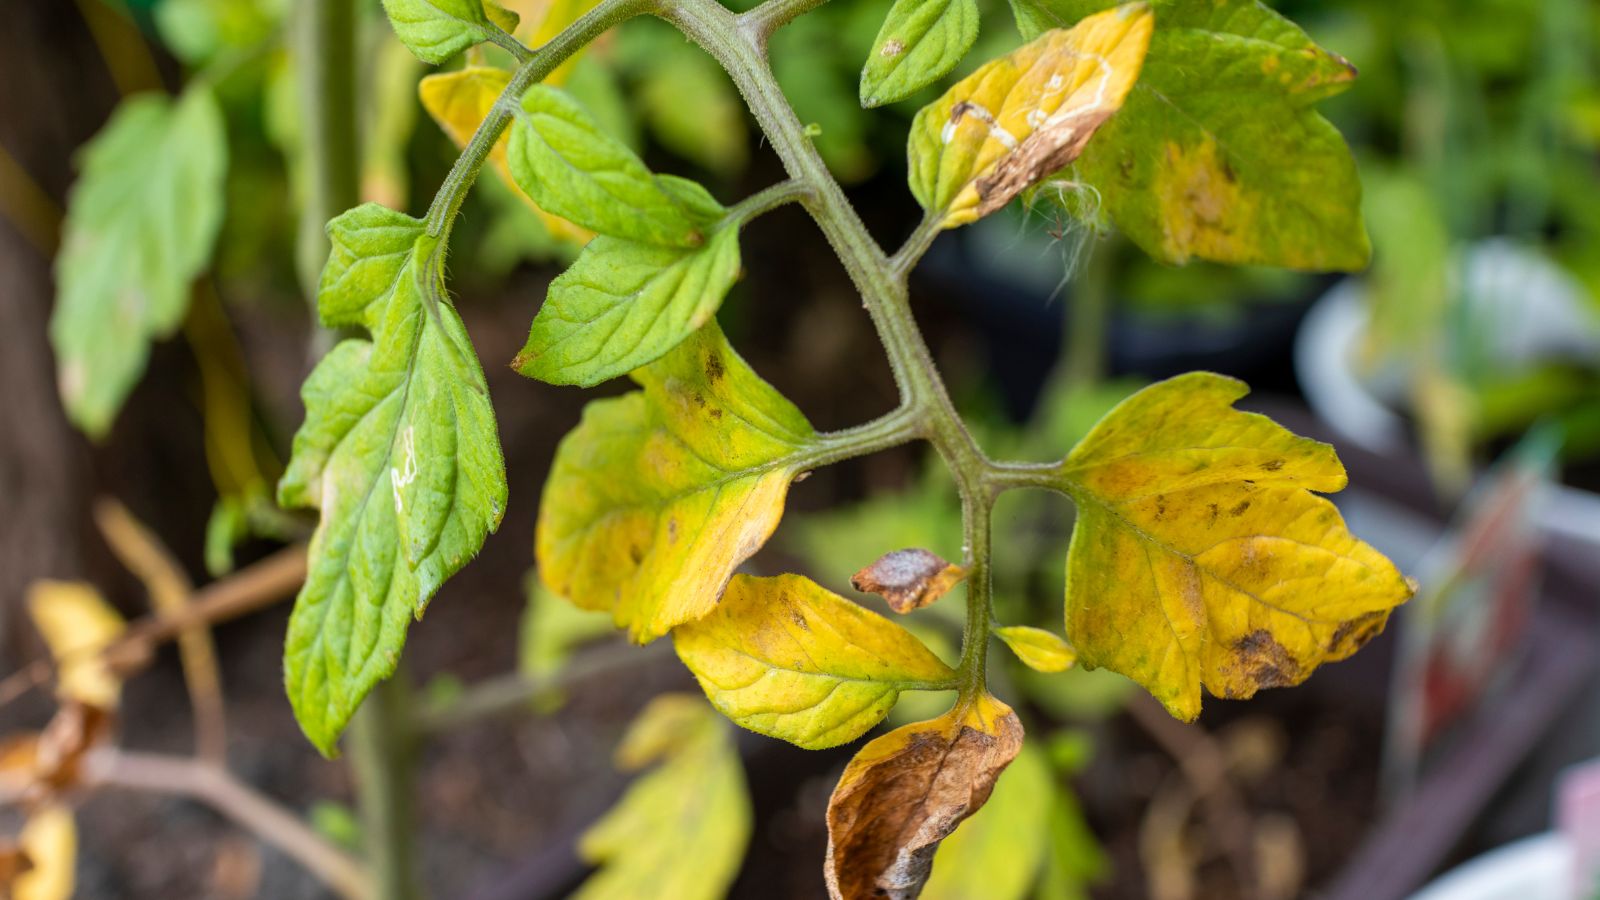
x=739, y=45
x=539, y=64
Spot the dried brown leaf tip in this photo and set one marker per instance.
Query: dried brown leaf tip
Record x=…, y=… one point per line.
x=909, y=579
x=907, y=791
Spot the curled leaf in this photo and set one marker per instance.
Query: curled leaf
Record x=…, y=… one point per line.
x=658, y=495
x=908, y=579
x=436, y=30
x=1038, y=649
x=1202, y=557
x=77, y=623
x=1021, y=118
x=907, y=791
x=789, y=659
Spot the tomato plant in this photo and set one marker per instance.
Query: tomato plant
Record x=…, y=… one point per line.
x=1204, y=557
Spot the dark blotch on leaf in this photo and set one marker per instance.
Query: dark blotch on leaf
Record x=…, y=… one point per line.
x=908, y=579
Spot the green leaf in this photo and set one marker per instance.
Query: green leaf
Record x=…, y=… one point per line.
x=681, y=829
x=1201, y=557
x=400, y=453
x=997, y=853
x=436, y=30
x=790, y=659
x=624, y=303
x=574, y=170
x=1038, y=649
x=920, y=42
x=141, y=223
x=658, y=495
x=1218, y=152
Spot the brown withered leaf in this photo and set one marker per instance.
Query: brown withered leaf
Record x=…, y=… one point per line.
x=909, y=579
x=37, y=767
x=907, y=791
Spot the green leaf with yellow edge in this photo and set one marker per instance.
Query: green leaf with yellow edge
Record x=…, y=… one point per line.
x=562, y=159
x=436, y=30
x=1200, y=555
x=681, y=829
x=1020, y=118
x=400, y=453
x=997, y=853
x=906, y=791
x=919, y=43
x=658, y=495
x=141, y=223
x=625, y=303
x=459, y=101
x=77, y=624
x=1038, y=649
x=790, y=659
x=1218, y=152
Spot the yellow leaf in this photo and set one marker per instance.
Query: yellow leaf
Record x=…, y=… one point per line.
x=77, y=624
x=1201, y=557
x=789, y=659
x=1038, y=649
x=658, y=495
x=906, y=791
x=681, y=829
x=50, y=841
x=459, y=101
x=1023, y=117
x=543, y=20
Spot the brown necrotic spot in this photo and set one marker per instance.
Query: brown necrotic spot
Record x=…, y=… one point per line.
x=1265, y=662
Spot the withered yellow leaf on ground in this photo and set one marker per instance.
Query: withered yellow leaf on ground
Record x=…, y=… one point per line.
x=790, y=659
x=1038, y=649
x=1021, y=118
x=77, y=623
x=681, y=829
x=1201, y=555
x=459, y=101
x=908, y=579
x=658, y=495
x=907, y=791
x=49, y=841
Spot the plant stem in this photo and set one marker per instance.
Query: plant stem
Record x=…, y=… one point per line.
x=380, y=754
x=381, y=750
x=325, y=53
x=1089, y=313
x=738, y=43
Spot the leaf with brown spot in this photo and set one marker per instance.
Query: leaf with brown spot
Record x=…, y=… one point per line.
x=658, y=495
x=908, y=579
x=1201, y=557
x=792, y=660
x=907, y=791
x=1021, y=118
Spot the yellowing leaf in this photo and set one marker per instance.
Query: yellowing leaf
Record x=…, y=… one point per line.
x=906, y=791
x=1200, y=555
x=50, y=841
x=543, y=20
x=789, y=659
x=459, y=101
x=1037, y=648
x=77, y=624
x=1020, y=118
x=680, y=831
x=908, y=579
x=658, y=495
